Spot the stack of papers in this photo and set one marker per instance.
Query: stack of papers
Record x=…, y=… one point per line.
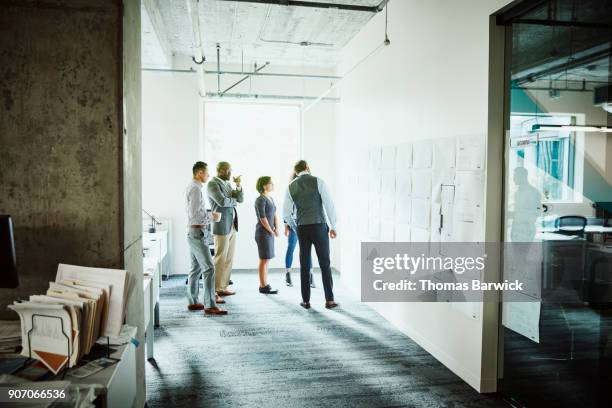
x=61, y=326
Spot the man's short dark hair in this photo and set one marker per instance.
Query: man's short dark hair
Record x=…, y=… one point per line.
x=300, y=166
x=199, y=166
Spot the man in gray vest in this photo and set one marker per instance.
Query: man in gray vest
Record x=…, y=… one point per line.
x=315, y=218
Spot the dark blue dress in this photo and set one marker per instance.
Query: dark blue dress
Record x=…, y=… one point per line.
x=264, y=208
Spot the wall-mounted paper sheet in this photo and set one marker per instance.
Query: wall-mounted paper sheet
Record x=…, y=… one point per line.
x=421, y=184
x=419, y=234
x=422, y=152
x=387, y=208
x=444, y=153
x=387, y=231
x=388, y=183
x=402, y=232
x=403, y=209
x=404, y=156
x=470, y=153
x=420, y=216
x=403, y=184
x=375, y=159
x=374, y=184
x=388, y=158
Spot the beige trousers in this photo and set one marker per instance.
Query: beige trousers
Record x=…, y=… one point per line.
x=224, y=257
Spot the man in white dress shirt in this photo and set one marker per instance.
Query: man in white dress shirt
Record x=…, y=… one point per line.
x=198, y=238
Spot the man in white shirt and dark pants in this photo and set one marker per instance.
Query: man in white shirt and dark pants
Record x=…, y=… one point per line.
x=315, y=223
x=198, y=237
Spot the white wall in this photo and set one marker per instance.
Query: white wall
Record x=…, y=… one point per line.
x=171, y=144
x=431, y=82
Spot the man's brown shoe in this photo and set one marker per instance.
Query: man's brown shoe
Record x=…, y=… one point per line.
x=226, y=293
x=215, y=311
x=195, y=306
x=219, y=299
x=330, y=304
x=305, y=305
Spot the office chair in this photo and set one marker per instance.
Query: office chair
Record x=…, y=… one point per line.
x=571, y=225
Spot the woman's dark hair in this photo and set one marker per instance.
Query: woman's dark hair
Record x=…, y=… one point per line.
x=261, y=183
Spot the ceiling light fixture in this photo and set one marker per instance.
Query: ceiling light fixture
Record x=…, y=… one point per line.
x=570, y=128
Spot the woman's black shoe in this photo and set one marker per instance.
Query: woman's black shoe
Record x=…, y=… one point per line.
x=268, y=290
x=288, y=279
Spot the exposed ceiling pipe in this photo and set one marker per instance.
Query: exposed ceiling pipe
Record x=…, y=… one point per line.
x=213, y=95
x=222, y=72
x=255, y=71
x=276, y=74
x=339, y=6
x=218, y=68
x=198, y=50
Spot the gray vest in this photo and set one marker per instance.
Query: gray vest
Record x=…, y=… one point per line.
x=304, y=191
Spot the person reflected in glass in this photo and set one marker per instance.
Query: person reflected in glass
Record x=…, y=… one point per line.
x=527, y=207
x=266, y=230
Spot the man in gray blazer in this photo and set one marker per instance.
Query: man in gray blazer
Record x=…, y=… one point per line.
x=223, y=199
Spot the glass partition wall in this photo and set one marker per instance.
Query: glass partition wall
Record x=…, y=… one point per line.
x=557, y=343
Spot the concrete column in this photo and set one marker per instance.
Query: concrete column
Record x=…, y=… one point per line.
x=70, y=161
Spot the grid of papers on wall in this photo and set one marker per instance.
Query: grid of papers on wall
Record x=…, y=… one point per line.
x=62, y=325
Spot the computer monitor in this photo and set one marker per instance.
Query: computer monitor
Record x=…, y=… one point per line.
x=8, y=259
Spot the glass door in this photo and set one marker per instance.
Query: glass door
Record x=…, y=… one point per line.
x=557, y=338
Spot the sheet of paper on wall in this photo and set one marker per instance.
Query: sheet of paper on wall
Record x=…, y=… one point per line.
x=388, y=158
x=444, y=153
x=120, y=281
x=388, y=183
x=403, y=184
x=421, y=184
x=374, y=184
x=375, y=159
x=402, y=209
x=420, y=215
x=439, y=178
x=470, y=153
x=419, y=234
x=402, y=232
x=46, y=333
x=387, y=208
x=403, y=156
x=387, y=231
x=422, y=153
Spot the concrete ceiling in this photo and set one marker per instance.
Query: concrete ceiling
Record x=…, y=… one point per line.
x=253, y=32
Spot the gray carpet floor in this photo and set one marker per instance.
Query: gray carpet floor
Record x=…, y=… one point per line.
x=269, y=352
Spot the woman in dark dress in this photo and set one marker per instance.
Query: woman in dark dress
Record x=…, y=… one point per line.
x=267, y=229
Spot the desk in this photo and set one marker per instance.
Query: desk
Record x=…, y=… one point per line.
x=155, y=246
x=150, y=287
x=118, y=379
